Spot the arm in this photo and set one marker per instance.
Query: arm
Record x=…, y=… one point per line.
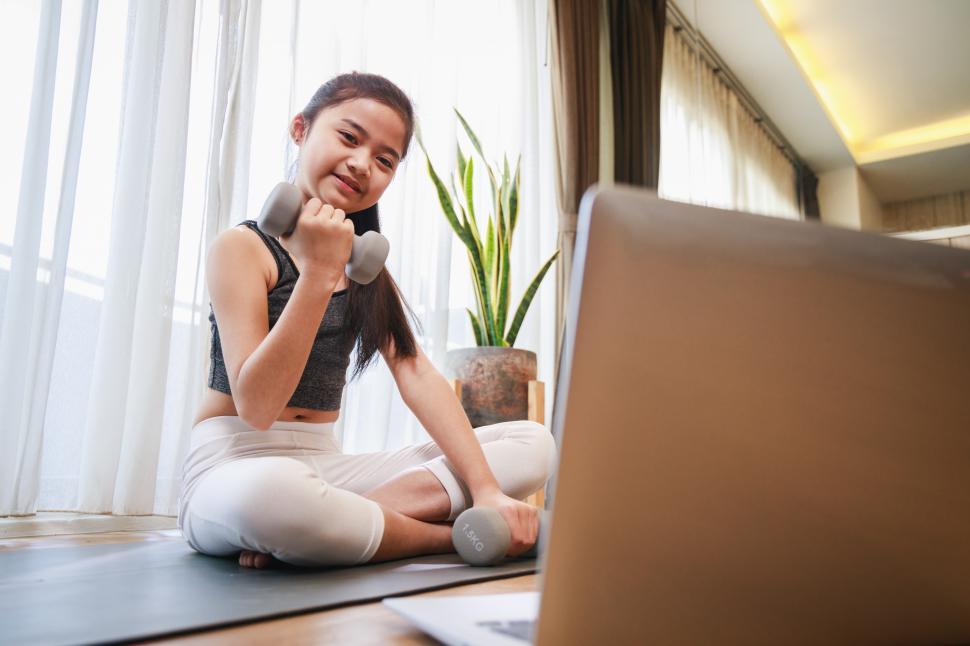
x=433, y=401
x=264, y=366
x=270, y=375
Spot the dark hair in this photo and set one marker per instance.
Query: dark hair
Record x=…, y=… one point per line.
x=375, y=311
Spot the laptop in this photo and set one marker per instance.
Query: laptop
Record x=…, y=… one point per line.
x=764, y=435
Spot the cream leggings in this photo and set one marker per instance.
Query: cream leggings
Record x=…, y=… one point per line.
x=290, y=491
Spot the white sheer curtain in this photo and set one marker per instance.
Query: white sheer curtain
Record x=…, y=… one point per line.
x=712, y=151
x=105, y=224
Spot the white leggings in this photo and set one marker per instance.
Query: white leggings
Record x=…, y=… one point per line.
x=289, y=491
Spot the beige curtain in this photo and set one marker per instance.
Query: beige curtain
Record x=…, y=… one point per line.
x=948, y=210
x=636, y=57
x=574, y=31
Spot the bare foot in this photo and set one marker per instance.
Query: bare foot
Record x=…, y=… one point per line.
x=255, y=559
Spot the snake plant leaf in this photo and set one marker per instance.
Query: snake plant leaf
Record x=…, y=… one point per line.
x=481, y=279
x=502, y=298
x=474, y=251
x=489, y=257
x=500, y=250
x=527, y=300
x=479, y=303
x=482, y=298
x=468, y=183
x=473, y=232
x=500, y=219
x=448, y=206
x=478, y=147
x=471, y=229
x=471, y=134
x=514, y=196
x=506, y=205
x=496, y=188
x=502, y=259
x=476, y=328
x=482, y=302
x=451, y=178
x=461, y=161
x=478, y=270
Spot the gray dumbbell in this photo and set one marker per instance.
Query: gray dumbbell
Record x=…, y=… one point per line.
x=481, y=536
x=278, y=218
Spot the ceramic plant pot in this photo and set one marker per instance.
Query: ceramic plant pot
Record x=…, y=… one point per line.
x=494, y=382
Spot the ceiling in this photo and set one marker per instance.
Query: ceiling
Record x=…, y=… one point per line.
x=880, y=84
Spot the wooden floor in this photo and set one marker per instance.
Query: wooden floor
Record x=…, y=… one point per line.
x=368, y=623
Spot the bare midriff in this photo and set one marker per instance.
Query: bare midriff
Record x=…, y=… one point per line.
x=215, y=404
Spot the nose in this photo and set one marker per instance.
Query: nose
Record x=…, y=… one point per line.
x=359, y=165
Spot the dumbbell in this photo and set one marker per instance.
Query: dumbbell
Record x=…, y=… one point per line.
x=278, y=218
x=481, y=536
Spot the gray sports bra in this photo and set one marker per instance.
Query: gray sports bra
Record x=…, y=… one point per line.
x=325, y=373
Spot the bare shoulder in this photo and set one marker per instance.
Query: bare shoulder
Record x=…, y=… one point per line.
x=238, y=249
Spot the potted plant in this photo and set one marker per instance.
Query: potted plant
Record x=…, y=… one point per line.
x=494, y=375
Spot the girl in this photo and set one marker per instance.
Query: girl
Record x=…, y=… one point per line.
x=264, y=476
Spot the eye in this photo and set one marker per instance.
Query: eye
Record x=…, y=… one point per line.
x=348, y=136
x=386, y=161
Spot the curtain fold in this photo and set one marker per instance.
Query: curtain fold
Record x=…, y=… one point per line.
x=713, y=151
x=123, y=425
x=19, y=342
x=636, y=56
x=947, y=210
x=575, y=32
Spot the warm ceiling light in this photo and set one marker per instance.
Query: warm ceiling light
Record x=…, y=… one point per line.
x=942, y=134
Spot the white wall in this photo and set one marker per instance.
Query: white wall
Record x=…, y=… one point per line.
x=838, y=198
x=845, y=200
x=870, y=208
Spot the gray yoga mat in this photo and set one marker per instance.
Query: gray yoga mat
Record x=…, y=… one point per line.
x=130, y=591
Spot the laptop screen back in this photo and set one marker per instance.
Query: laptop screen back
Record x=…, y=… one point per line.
x=764, y=433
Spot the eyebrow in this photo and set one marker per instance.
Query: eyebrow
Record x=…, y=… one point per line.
x=359, y=127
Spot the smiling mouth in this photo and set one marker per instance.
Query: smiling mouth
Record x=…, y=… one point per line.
x=348, y=182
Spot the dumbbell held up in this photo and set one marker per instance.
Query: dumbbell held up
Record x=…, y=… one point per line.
x=279, y=216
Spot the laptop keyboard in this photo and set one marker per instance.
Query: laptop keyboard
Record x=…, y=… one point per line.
x=517, y=628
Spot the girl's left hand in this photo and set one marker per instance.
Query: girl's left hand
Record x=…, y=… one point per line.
x=522, y=519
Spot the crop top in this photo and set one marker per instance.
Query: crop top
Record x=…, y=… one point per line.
x=325, y=373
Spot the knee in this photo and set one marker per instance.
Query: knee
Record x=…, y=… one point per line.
x=543, y=454
x=546, y=452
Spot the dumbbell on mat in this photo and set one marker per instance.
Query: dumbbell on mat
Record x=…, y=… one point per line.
x=481, y=536
x=278, y=218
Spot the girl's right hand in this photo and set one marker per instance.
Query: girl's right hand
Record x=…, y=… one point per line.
x=322, y=240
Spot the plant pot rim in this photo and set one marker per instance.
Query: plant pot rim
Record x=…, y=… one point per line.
x=489, y=348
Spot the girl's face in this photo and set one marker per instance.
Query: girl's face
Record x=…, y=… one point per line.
x=350, y=154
